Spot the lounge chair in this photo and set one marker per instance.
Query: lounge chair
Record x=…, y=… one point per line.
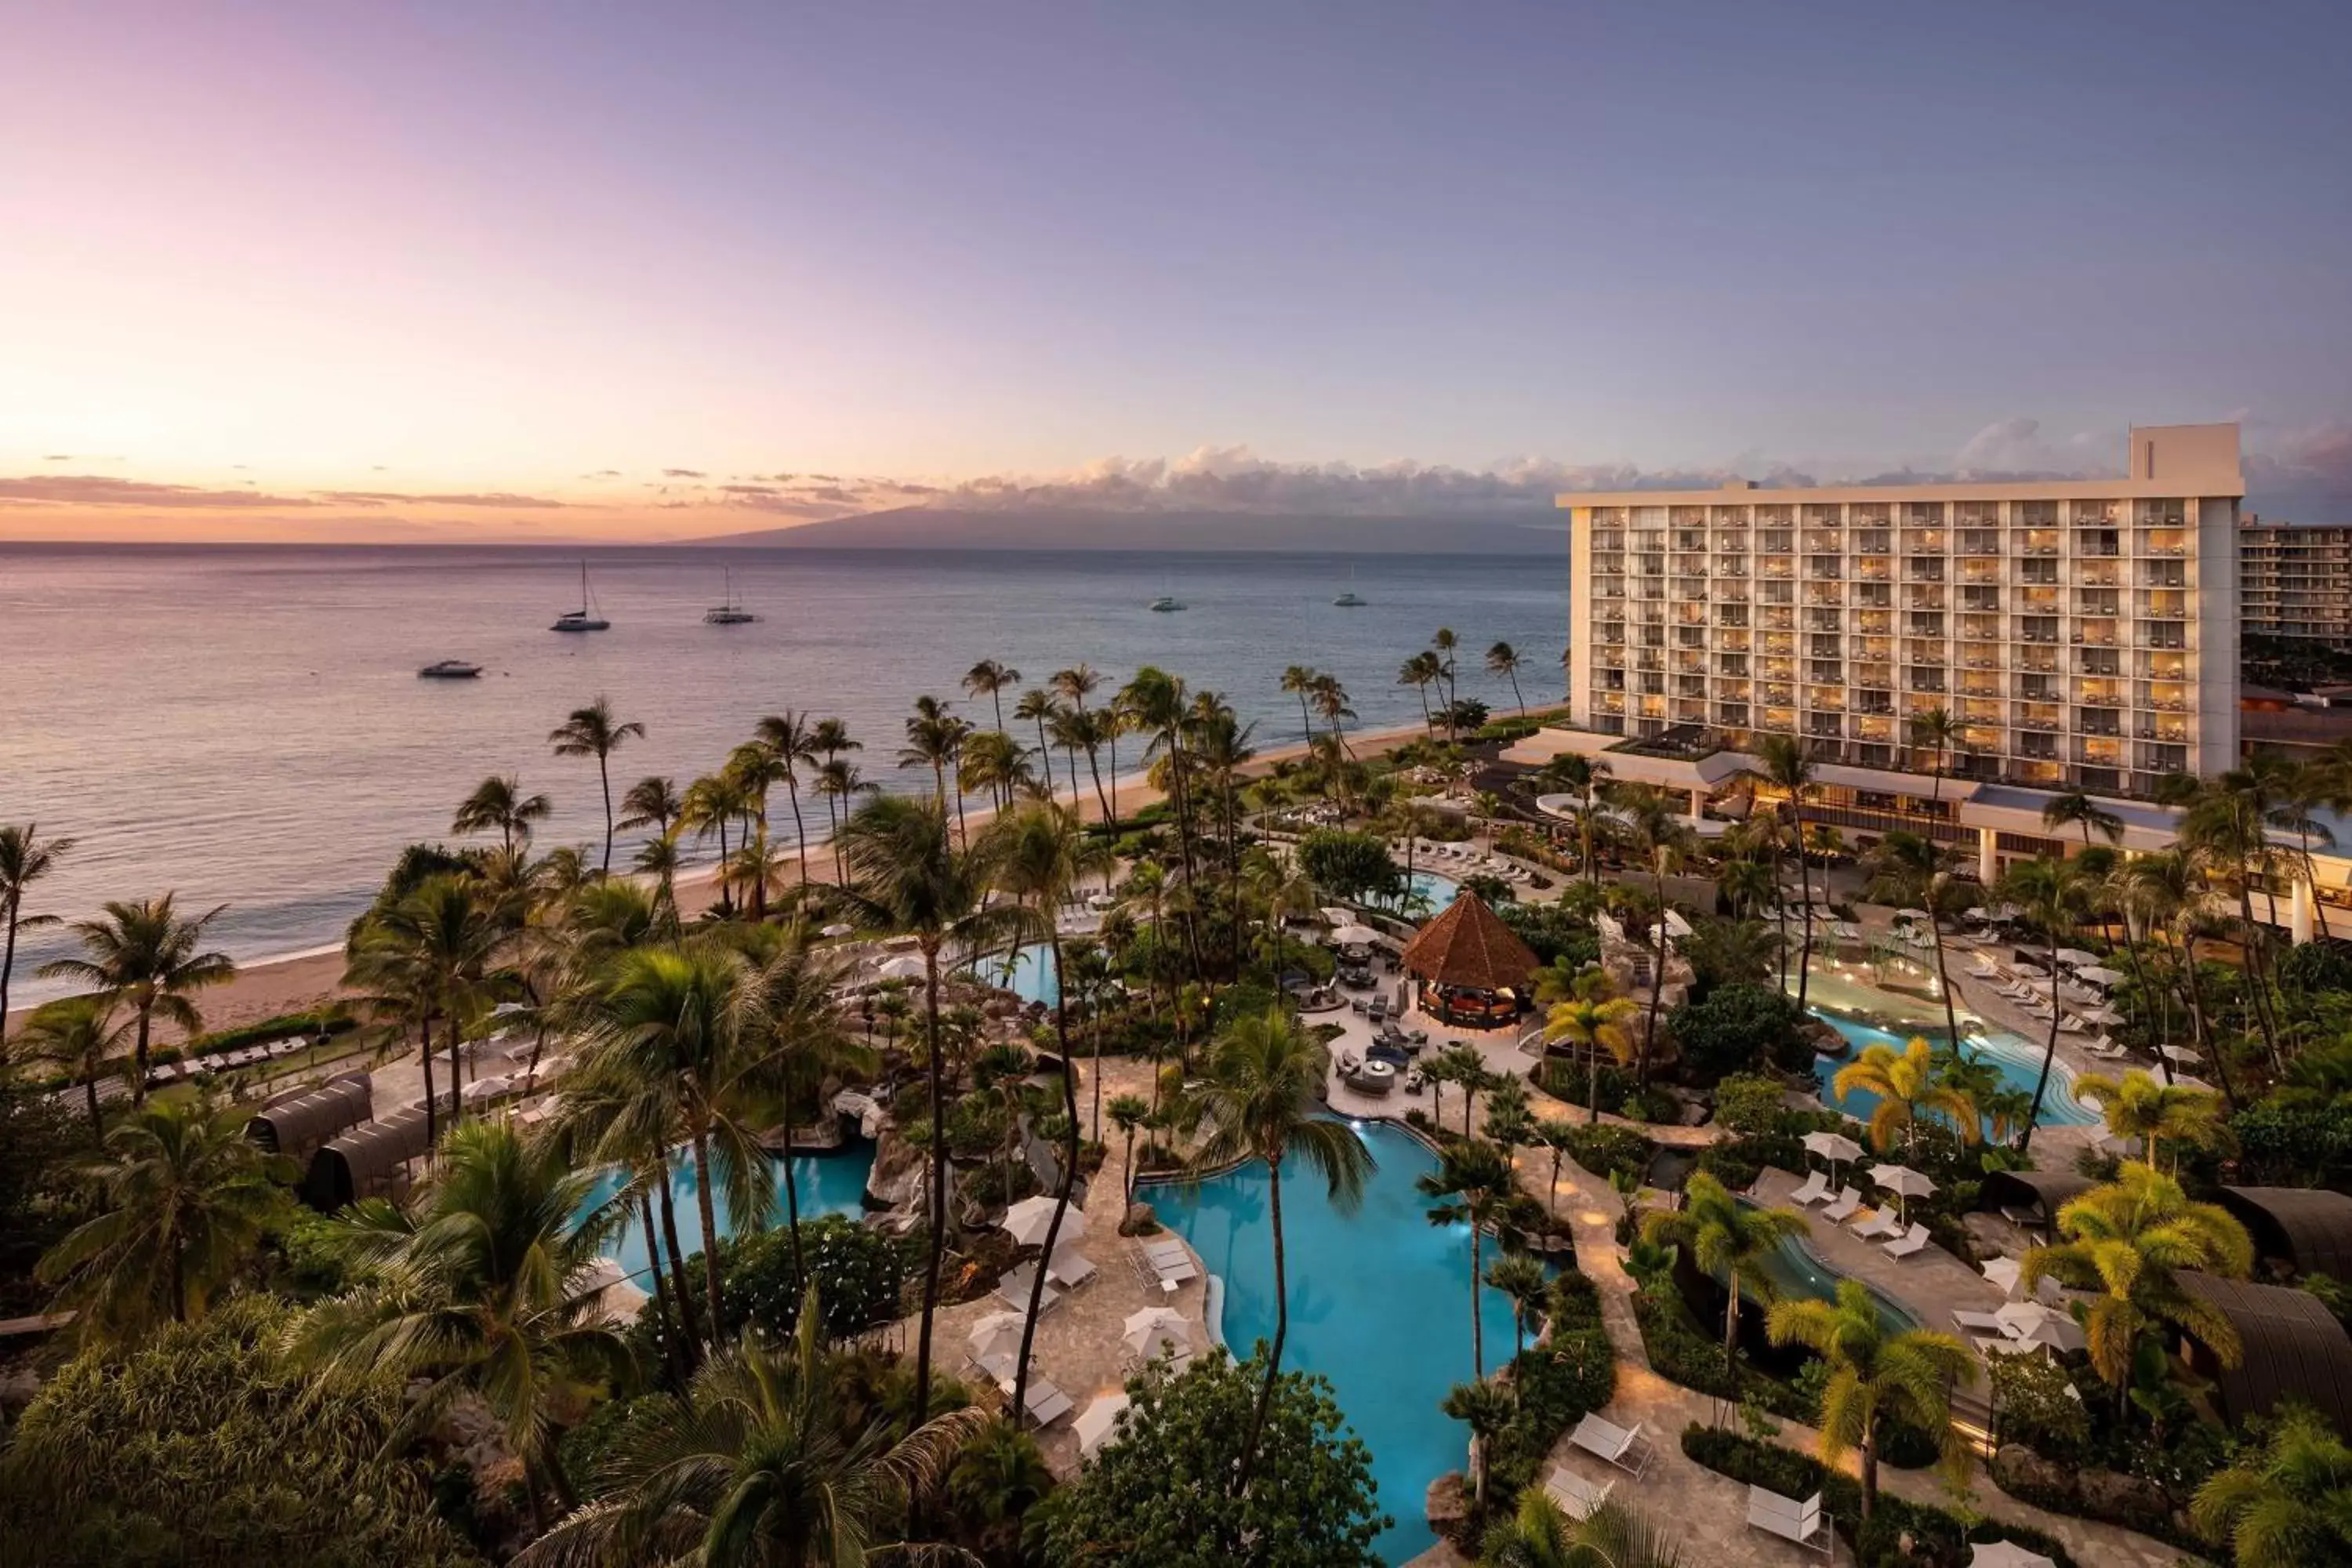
x=1843, y=1208
x=1047, y=1403
x=1910, y=1241
x=1070, y=1268
x=1576, y=1496
x=1879, y=1226
x=1628, y=1450
x=1012, y=1289
x=1978, y=1323
x=1790, y=1519
x=1816, y=1188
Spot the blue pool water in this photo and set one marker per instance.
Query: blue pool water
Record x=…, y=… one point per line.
x=1430, y=894
x=2018, y=1060
x=1380, y=1304
x=1797, y=1272
x=826, y=1184
x=1030, y=976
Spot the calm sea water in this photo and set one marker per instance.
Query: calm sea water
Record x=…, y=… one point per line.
x=246, y=726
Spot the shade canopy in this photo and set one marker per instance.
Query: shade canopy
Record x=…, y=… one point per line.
x=1155, y=1329
x=1027, y=1221
x=2056, y=1331
x=1902, y=1178
x=1470, y=948
x=2007, y=1555
x=1098, y=1424
x=1832, y=1146
x=2093, y=975
x=2294, y=1349
x=2181, y=1053
x=2310, y=1227
x=2004, y=1272
x=906, y=966
x=839, y=928
x=2076, y=955
x=1355, y=936
x=1910, y=914
x=998, y=1333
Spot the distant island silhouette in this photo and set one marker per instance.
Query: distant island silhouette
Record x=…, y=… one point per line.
x=925, y=528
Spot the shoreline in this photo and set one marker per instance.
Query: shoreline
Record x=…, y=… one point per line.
x=311, y=977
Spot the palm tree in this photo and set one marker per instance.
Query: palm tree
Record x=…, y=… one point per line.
x=1486, y=1409
x=905, y=876
x=2137, y=1106
x=1937, y=731
x=1583, y=775
x=1039, y=855
x=1592, y=1019
x=1724, y=1237
x=2076, y=809
x=1524, y=1280
x=1262, y=1101
x=1161, y=707
x=498, y=805
x=652, y=802
x=1473, y=1187
x=1504, y=659
x=1906, y=1084
x=792, y=1038
x=2229, y=822
x=2128, y=1241
x=593, y=731
x=773, y=1457
x=1788, y=767
x=1037, y=705
x=1299, y=679
x=2052, y=893
x=711, y=803
x=1127, y=1112
x=2287, y=1504
x=1911, y=868
x=988, y=678
x=1906, y=1376
x=81, y=1034
x=1442, y=647
x=146, y=955
x=790, y=741
x=1662, y=837
x=24, y=859
x=431, y=950
x=185, y=1198
x=1559, y=1137
x=1542, y=1535
x=1418, y=672
x=482, y=1287
x=838, y=780
x=2169, y=891
x=934, y=738
x=2308, y=788
x=1464, y=1069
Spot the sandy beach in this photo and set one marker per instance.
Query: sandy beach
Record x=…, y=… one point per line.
x=270, y=987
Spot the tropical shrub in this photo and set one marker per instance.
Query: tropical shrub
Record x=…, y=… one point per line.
x=1553, y=932
x=1749, y=1104
x=1555, y=1385
x=858, y=1272
x=201, y=1446
x=1610, y=1151
x=2035, y=1404
x=1348, y=865
x=1738, y=1027
x=1161, y=1496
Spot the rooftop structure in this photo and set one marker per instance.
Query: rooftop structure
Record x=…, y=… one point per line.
x=2083, y=632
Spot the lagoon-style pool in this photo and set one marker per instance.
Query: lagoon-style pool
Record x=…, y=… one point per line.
x=827, y=1183
x=1380, y=1304
x=1796, y=1272
x=1427, y=893
x=1028, y=972
x=2016, y=1058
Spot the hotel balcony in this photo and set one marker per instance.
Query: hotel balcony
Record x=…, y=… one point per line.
x=1825, y=542
x=2175, y=575
x=1981, y=655
x=2160, y=514
x=1781, y=720
x=2039, y=717
x=1870, y=726
x=1980, y=628
x=2099, y=751
x=1826, y=699
x=2164, y=696
x=1982, y=573
x=2034, y=660
x=2097, y=601
x=2168, y=634
x=1924, y=624
x=1876, y=702
x=1776, y=566
x=1825, y=593
x=1730, y=566
x=1874, y=675
x=1780, y=696
x=1877, y=623
x=1776, y=617
x=1609, y=702
x=1923, y=568
x=1873, y=542
x=2097, y=544
x=2036, y=629
x=2163, y=543
x=1870, y=571
x=2039, y=542
x=1731, y=715
x=1733, y=690
x=1731, y=593
x=1978, y=542
x=1925, y=542
x=2163, y=603
x=1777, y=669
x=1777, y=542
x=2096, y=513
x=1925, y=596
x=1925, y=655
x=2095, y=634
x=1978, y=682
x=2098, y=661
x=1874, y=595
x=2172, y=729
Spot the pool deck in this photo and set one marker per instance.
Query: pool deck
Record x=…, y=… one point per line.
x=1931, y=1282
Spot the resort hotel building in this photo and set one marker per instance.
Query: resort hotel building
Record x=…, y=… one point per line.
x=2083, y=634
x=2295, y=580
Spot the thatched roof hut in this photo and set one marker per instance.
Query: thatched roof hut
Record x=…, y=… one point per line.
x=1468, y=948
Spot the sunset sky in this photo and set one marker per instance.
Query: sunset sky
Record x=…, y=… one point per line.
x=502, y=271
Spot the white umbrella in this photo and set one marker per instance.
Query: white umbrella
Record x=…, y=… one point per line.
x=837, y=928
x=2021, y=1319
x=484, y=1089
x=1155, y=1328
x=2181, y=1053
x=1355, y=936
x=2072, y=955
x=2004, y=1272
x=1832, y=1147
x=2007, y=1554
x=1903, y=1182
x=906, y=966
x=1027, y=1221
x=998, y=1333
x=2094, y=974
x=2056, y=1331
x=1098, y=1424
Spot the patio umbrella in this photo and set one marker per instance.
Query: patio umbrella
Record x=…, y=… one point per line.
x=2093, y=975
x=906, y=966
x=2071, y=955
x=1903, y=1182
x=2007, y=1554
x=2180, y=1053
x=997, y=1334
x=1027, y=1221
x=2056, y=1331
x=837, y=928
x=1155, y=1328
x=1832, y=1147
x=2004, y=1272
x=1097, y=1426
x=1355, y=936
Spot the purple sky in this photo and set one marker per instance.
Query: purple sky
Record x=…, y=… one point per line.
x=465, y=247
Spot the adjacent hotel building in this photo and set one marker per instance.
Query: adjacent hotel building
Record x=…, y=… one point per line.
x=2084, y=634
x=2295, y=580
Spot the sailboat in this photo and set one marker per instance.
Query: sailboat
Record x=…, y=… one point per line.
x=1167, y=603
x=1350, y=600
x=585, y=618
x=730, y=612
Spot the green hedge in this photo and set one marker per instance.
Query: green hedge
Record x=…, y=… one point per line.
x=1558, y=1383
x=1940, y=1539
x=267, y=1031
x=1680, y=1351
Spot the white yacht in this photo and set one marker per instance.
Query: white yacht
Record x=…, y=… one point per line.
x=585, y=618
x=1350, y=599
x=449, y=670
x=1166, y=603
x=729, y=613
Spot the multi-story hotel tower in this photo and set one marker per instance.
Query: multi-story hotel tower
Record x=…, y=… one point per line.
x=2082, y=633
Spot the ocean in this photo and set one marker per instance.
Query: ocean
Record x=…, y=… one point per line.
x=245, y=725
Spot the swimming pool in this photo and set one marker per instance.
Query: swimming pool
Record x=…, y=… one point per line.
x=1028, y=972
x=1796, y=1272
x=826, y=1184
x=2016, y=1058
x=1379, y=1304
x=1428, y=893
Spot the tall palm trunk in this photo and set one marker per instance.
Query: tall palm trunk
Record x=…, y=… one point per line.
x=1113, y=743
x=7, y=963
x=1307, y=720
x=726, y=868
x=138, y=1058
x=1805, y=895
x=1281, y=1331
x=1658, y=968
x=1942, y=976
x=1477, y=1323
x=424, y=1059
x=673, y=1355
x=1731, y=1321
x=2259, y=993
x=2198, y=1025
x=791, y=1187
x=707, y=1207
x=799, y=831
x=1062, y=1192
x=605, y=778
x=677, y=1255
x=2050, y=1052
x=939, y=1204
x=456, y=1074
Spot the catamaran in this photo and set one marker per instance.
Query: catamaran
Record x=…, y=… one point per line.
x=585, y=618
x=1350, y=599
x=730, y=612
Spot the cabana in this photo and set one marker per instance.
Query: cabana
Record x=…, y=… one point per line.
x=2028, y=1198
x=1469, y=967
x=295, y=1124
x=2294, y=1349
x=367, y=1161
x=2308, y=1228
